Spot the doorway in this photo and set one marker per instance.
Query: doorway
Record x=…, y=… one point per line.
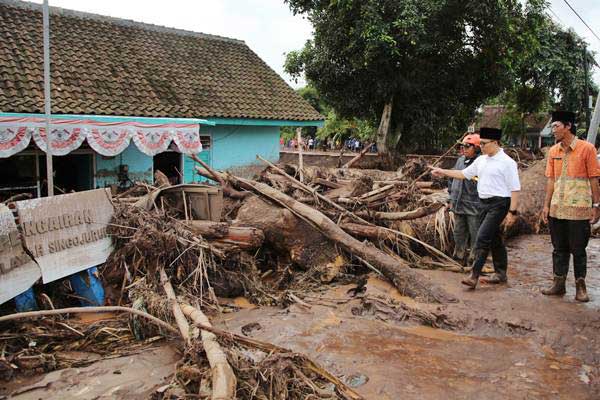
x=72, y=173
x=169, y=163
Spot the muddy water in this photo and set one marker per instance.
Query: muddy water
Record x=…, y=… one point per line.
x=503, y=342
x=511, y=341
x=132, y=377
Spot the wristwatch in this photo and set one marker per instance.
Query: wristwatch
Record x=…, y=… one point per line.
x=596, y=205
x=513, y=212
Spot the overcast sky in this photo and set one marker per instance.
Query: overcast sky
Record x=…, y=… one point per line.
x=268, y=26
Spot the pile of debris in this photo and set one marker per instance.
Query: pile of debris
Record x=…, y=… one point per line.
x=179, y=250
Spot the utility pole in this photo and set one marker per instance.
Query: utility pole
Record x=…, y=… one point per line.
x=47, y=103
x=586, y=100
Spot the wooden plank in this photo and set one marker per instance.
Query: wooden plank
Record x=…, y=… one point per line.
x=67, y=233
x=18, y=272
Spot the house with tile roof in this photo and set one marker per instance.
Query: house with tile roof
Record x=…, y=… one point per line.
x=538, y=132
x=129, y=98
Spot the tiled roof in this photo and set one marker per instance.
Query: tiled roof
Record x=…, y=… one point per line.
x=109, y=66
x=491, y=117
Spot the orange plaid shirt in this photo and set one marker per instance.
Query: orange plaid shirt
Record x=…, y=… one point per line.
x=571, y=171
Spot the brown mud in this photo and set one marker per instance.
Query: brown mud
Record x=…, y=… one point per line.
x=497, y=342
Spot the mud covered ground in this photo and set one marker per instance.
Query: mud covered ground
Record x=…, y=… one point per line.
x=498, y=342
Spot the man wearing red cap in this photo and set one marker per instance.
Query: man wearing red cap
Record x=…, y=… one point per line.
x=498, y=188
x=572, y=202
x=464, y=202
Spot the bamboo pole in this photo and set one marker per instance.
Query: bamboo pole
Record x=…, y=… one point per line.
x=88, y=310
x=223, y=378
x=184, y=327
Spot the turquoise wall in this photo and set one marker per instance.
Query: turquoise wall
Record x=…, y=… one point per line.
x=189, y=174
x=231, y=146
x=140, y=167
x=236, y=146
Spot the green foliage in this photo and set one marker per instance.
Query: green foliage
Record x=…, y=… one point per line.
x=335, y=127
x=339, y=129
x=439, y=60
x=547, y=69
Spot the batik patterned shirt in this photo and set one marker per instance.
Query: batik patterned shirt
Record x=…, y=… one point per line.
x=571, y=169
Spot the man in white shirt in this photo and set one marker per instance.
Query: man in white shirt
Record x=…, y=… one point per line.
x=498, y=188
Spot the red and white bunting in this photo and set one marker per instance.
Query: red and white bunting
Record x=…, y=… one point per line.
x=64, y=138
x=108, y=140
x=13, y=139
x=152, y=141
x=188, y=140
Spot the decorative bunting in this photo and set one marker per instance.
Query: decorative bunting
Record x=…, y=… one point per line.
x=152, y=141
x=65, y=138
x=108, y=141
x=106, y=138
x=13, y=139
x=188, y=140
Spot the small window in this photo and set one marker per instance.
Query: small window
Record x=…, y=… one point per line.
x=206, y=142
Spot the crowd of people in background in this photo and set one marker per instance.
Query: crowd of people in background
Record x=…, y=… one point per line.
x=314, y=143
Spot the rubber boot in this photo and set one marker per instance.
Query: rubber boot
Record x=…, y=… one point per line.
x=581, y=291
x=557, y=288
x=497, y=278
x=472, y=280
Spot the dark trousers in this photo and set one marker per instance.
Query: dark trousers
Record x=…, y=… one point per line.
x=489, y=237
x=465, y=234
x=569, y=237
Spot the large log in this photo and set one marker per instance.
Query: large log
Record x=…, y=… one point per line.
x=402, y=215
x=293, y=239
x=408, y=281
x=244, y=237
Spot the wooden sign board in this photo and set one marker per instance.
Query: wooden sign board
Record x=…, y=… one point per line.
x=67, y=233
x=18, y=272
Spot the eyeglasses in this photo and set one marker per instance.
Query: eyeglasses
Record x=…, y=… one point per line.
x=467, y=145
x=482, y=143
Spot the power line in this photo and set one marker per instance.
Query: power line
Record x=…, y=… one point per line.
x=557, y=17
x=582, y=20
x=562, y=22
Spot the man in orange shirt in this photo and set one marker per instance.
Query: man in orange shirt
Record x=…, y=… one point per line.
x=572, y=202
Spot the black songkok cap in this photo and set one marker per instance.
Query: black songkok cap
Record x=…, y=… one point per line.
x=563, y=116
x=490, y=133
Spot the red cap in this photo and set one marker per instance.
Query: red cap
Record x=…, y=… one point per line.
x=472, y=139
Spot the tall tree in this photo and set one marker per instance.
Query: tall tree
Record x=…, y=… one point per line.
x=432, y=61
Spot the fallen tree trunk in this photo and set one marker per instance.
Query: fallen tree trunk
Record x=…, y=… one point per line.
x=211, y=174
x=368, y=231
x=358, y=157
x=408, y=281
x=245, y=237
x=402, y=215
x=223, y=378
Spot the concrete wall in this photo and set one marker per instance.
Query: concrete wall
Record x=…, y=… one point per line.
x=140, y=167
x=368, y=161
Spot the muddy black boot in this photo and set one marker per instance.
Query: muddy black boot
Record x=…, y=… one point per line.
x=472, y=280
x=558, y=288
x=581, y=291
